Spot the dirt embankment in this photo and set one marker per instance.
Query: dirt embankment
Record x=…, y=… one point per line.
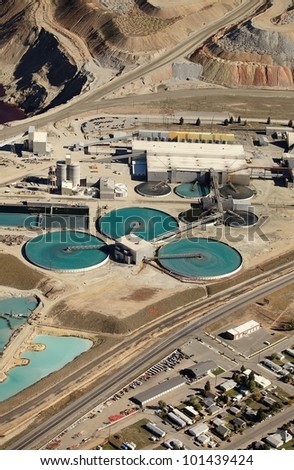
x=249, y=55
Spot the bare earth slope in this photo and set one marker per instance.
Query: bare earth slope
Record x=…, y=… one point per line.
x=55, y=49
x=259, y=52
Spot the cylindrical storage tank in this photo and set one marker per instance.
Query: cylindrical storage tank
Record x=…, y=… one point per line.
x=74, y=173
x=60, y=174
x=68, y=159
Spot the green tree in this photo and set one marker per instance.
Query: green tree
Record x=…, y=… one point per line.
x=268, y=120
x=288, y=378
x=207, y=387
x=162, y=404
x=239, y=120
x=226, y=122
x=251, y=376
x=290, y=123
x=231, y=121
x=251, y=386
x=198, y=122
x=181, y=121
x=261, y=415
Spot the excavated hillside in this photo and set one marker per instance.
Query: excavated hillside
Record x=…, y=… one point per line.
x=37, y=72
x=56, y=49
x=53, y=50
x=259, y=52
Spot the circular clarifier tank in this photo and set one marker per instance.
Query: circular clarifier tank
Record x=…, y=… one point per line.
x=153, y=189
x=144, y=222
x=191, y=215
x=200, y=258
x=236, y=191
x=192, y=190
x=240, y=218
x=67, y=251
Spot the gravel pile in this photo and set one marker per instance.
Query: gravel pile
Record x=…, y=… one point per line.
x=250, y=39
x=121, y=6
x=186, y=71
x=288, y=19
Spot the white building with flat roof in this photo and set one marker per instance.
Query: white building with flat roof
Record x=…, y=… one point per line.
x=131, y=249
x=243, y=330
x=37, y=142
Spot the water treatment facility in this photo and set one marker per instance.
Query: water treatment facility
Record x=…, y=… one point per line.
x=116, y=230
x=164, y=187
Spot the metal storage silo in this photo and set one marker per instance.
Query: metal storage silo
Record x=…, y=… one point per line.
x=74, y=173
x=60, y=174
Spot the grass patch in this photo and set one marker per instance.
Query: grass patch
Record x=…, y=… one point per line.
x=232, y=393
x=289, y=445
x=255, y=405
x=218, y=371
x=109, y=446
x=135, y=433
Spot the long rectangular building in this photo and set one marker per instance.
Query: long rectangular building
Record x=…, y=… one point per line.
x=179, y=162
x=155, y=392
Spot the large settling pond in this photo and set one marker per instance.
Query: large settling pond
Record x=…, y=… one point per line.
x=144, y=222
x=59, y=351
x=200, y=258
x=67, y=251
x=14, y=311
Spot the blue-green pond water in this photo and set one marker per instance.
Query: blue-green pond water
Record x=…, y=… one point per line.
x=60, y=350
x=14, y=306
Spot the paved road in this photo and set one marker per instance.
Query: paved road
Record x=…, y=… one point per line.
x=89, y=101
x=260, y=430
x=63, y=419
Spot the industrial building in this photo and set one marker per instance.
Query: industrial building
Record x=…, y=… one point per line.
x=179, y=162
x=242, y=330
x=106, y=188
x=37, y=142
x=182, y=136
x=131, y=249
x=199, y=370
x=158, y=390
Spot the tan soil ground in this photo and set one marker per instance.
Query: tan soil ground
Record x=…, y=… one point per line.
x=235, y=104
x=278, y=310
x=129, y=316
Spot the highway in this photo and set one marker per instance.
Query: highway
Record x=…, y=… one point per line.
x=118, y=379
x=90, y=100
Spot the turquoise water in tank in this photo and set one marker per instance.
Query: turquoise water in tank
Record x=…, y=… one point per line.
x=19, y=306
x=60, y=350
x=18, y=220
x=192, y=190
x=144, y=222
x=49, y=251
x=199, y=258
